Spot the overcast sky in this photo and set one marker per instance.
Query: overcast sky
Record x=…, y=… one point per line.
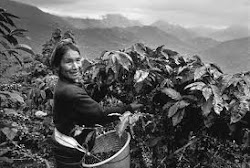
x=216, y=13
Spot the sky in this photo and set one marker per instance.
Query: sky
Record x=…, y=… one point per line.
x=189, y=13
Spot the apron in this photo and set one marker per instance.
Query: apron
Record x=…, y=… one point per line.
x=68, y=153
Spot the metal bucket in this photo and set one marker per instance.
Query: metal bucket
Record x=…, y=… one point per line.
x=110, y=141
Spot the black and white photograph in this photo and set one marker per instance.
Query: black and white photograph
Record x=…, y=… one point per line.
x=124, y=84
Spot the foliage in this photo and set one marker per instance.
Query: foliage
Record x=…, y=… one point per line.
x=9, y=33
x=182, y=96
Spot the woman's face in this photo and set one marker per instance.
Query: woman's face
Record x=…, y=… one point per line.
x=71, y=64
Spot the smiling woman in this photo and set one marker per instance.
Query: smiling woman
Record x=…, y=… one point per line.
x=71, y=65
x=74, y=108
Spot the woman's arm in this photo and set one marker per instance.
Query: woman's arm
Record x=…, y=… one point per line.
x=88, y=110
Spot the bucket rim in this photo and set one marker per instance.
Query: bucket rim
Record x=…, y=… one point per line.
x=112, y=157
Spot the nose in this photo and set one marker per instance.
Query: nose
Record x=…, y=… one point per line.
x=75, y=65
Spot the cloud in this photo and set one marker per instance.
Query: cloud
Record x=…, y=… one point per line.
x=185, y=12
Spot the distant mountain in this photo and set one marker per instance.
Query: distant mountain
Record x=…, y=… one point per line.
x=176, y=30
x=116, y=32
x=107, y=21
x=203, y=31
x=232, y=56
x=202, y=43
x=101, y=39
x=93, y=41
x=93, y=36
x=196, y=38
x=154, y=37
x=230, y=33
x=39, y=24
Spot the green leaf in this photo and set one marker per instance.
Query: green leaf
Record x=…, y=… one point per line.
x=207, y=106
x=25, y=48
x=17, y=32
x=169, y=69
x=11, y=15
x=5, y=45
x=172, y=110
x=140, y=75
x=123, y=59
x=15, y=97
x=178, y=105
x=5, y=27
x=166, y=83
x=9, y=20
x=140, y=49
x=217, y=101
x=240, y=111
x=196, y=59
x=171, y=93
x=43, y=94
x=183, y=104
x=11, y=39
x=167, y=105
x=10, y=133
x=207, y=92
x=176, y=119
x=123, y=123
x=2, y=32
x=196, y=86
x=138, y=87
x=246, y=78
x=199, y=72
x=182, y=69
x=90, y=139
x=3, y=18
x=213, y=65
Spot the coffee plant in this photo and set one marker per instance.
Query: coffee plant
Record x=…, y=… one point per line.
x=185, y=101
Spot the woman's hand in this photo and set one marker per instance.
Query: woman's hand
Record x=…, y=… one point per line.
x=135, y=105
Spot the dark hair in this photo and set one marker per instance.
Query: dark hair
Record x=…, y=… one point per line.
x=62, y=48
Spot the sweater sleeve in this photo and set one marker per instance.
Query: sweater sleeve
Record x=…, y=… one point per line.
x=88, y=110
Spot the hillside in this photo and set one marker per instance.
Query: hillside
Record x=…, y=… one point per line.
x=93, y=36
x=176, y=30
x=202, y=43
x=101, y=39
x=39, y=24
x=154, y=37
x=232, y=56
x=230, y=33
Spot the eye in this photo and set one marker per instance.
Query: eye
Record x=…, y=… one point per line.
x=68, y=61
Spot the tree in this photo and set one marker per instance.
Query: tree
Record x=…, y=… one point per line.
x=8, y=39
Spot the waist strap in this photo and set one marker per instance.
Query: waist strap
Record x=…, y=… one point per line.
x=68, y=141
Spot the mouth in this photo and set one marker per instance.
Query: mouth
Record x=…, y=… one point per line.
x=77, y=73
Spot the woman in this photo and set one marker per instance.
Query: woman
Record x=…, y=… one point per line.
x=74, y=107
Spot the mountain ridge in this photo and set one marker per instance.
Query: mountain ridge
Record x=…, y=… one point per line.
x=93, y=40
x=234, y=55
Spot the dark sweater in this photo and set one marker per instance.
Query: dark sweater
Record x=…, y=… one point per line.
x=73, y=106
